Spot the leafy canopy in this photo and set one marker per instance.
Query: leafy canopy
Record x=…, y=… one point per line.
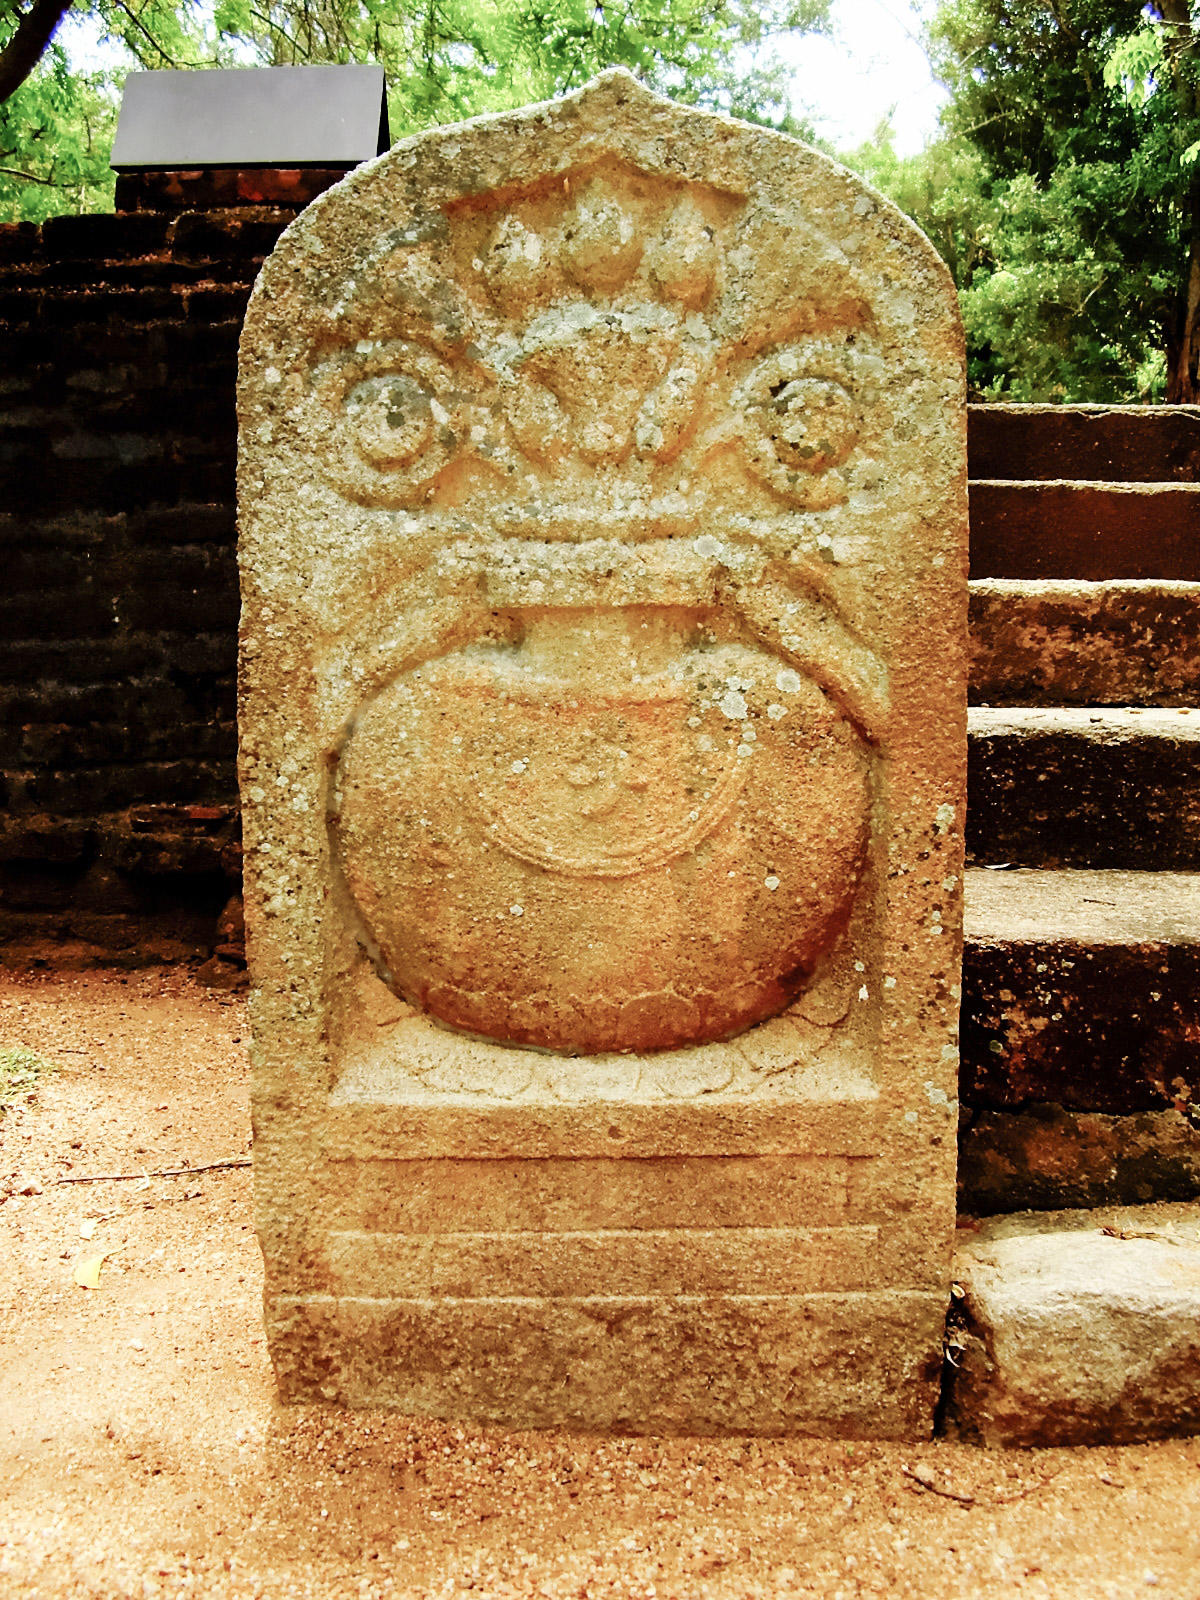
x=1063, y=193
x=444, y=59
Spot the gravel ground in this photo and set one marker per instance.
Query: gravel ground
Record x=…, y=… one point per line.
x=142, y=1452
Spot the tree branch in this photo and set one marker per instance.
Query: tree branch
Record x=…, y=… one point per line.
x=24, y=50
x=143, y=29
x=277, y=31
x=32, y=177
x=163, y=1172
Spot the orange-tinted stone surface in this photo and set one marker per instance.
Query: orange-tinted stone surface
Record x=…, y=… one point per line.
x=603, y=665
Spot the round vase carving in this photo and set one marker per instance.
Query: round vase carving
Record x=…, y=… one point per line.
x=604, y=832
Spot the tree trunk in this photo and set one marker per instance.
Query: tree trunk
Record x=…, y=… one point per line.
x=1183, y=340
x=24, y=50
x=1183, y=350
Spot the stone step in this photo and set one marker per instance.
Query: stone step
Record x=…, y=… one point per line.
x=1091, y=530
x=1080, y=1074
x=1060, y=642
x=1044, y=1157
x=1122, y=444
x=1076, y=1328
x=1070, y=787
x=1081, y=988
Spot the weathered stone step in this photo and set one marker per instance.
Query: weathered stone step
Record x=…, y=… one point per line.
x=1069, y=787
x=1081, y=988
x=1090, y=530
x=1080, y=1074
x=1044, y=1157
x=1077, y=1328
x=1123, y=444
x=1053, y=642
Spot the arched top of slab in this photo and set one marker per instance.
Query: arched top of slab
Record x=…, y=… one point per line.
x=796, y=208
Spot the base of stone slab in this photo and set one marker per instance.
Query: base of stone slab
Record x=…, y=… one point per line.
x=842, y=1365
x=1077, y=1327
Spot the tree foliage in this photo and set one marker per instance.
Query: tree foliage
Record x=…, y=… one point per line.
x=55, y=134
x=444, y=59
x=449, y=59
x=1063, y=193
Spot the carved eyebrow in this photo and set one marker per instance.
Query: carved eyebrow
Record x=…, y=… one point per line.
x=802, y=627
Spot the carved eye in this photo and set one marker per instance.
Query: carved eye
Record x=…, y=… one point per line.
x=392, y=416
x=812, y=423
x=386, y=419
x=800, y=422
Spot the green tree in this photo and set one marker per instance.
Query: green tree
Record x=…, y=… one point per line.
x=449, y=59
x=57, y=126
x=1064, y=192
x=445, y=60
x=55, y=134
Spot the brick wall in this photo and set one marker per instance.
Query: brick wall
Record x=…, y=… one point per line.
x=118, y=606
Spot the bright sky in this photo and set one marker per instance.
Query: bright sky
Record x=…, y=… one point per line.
x=873, y=66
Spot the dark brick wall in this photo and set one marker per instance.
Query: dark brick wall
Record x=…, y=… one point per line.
x=118, y=602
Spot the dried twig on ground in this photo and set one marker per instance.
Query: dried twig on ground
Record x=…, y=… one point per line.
x=165, y=1172
x=927, y=1482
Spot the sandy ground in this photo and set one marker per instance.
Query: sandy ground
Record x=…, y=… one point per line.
x=142, y=1452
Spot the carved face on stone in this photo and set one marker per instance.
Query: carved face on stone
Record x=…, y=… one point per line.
x=603, y=774
x=601, y=826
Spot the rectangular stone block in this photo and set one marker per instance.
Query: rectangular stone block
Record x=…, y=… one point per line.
x=1081, y=989
x=603, y=560
x=1090, y=531
x=1130, y=643
x=529, y=1194
x=1110, y=444
x=751, y=1364
x=1117, y=788
x=1044, y=1157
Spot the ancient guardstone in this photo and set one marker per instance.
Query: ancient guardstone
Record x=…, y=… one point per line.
x=603, y=563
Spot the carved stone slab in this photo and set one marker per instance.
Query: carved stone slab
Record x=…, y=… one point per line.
x=602, y=488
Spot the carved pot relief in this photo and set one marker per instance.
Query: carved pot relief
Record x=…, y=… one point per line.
x=641, y=857
x=610, y=825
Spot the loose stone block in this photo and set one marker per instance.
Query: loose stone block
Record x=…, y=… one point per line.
x=1078, y=1328
x=603, y=548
